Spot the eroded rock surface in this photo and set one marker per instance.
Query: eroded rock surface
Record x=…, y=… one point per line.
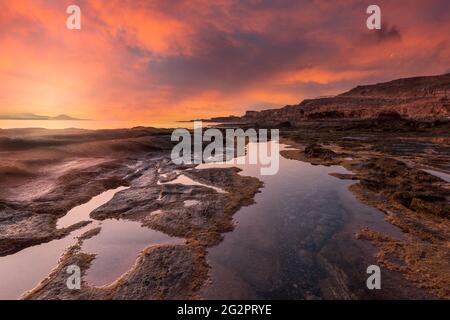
x=86, y=164
x=387, y=164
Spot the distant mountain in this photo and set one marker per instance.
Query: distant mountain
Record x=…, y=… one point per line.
x=418, y=98
x=31, y=116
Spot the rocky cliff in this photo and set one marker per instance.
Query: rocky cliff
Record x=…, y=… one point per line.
x=412, y=98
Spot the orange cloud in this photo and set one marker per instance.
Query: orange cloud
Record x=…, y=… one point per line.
x=153, y=62
x=319, y=76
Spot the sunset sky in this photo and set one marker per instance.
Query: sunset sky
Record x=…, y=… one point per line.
x=158, y=61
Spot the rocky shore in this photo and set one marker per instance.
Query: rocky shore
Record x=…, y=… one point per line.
x=391, y=137
x=137, y=158
x=388, y=163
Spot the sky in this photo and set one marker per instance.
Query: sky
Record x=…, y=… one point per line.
x=152, y=62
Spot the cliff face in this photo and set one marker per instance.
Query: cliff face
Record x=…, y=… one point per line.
x=412, y=98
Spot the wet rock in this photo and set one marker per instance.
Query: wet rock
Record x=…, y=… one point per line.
x=160, y=272
x=440, y=209
x=421, y=262
x=414, y=189
x=163, y=272
x=130, y=203
x=316, y=151
x=345, y=176
x=206, y=221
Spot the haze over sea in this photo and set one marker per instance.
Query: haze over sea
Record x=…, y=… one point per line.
x=88, y=124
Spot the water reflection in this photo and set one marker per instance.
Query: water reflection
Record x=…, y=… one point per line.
x=297, y=241
x=116, y=247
